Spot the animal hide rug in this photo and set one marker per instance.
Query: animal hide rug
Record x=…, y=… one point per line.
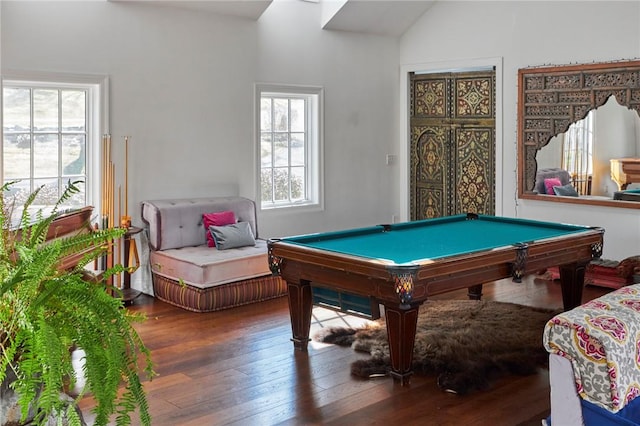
x=466, y=344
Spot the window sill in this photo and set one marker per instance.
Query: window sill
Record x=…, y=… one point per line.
x=292, y=208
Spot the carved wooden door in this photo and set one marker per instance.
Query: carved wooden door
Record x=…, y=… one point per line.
x=452, y=144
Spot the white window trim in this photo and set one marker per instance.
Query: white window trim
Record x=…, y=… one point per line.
x=316, y=167
x=98, y=96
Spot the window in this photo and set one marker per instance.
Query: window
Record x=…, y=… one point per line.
x=577, y=153
x=50, y=135
x=289, y=123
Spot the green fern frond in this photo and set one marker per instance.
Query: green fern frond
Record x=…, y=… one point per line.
x=73, y=418
x=25, y=218
x=45, y=311
x=70, y=190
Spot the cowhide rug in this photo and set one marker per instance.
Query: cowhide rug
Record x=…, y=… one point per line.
x=467, y=344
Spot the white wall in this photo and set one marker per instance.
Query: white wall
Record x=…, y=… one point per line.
x=360, y=76
x=181, y=86
x=615, y=137
x=531, y=34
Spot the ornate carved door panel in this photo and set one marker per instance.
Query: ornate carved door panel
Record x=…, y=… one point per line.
x=452, y=147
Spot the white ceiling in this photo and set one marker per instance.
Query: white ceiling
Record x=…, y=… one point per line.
x=250, y=9
x=383, y=17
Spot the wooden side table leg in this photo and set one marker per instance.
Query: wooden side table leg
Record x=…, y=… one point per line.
x=130, y=255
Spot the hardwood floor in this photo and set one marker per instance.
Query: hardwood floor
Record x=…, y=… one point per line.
x=238, y=367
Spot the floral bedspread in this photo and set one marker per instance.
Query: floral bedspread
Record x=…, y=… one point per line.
x=602, y=340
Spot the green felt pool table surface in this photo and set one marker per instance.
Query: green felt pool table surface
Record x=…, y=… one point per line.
x=412, y=242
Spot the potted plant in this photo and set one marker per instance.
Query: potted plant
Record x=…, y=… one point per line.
x=49, y=308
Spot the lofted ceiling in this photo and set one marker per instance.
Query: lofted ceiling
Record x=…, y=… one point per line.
x=250, y=9
x=382, y=17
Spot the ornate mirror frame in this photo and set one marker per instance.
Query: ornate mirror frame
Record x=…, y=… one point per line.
x=551, y=98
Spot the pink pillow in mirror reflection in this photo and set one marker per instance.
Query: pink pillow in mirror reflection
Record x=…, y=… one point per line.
x=550, y=183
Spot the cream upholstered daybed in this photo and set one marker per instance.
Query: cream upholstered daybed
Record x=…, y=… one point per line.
x=594, y=361
x=188, y=273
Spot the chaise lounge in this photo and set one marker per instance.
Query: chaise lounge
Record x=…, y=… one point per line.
x=188, y=273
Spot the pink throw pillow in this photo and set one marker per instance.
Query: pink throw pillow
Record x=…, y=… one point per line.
x=550, y=183
x=218, y=219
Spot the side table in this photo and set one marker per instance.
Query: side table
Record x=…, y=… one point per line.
x=130, y=258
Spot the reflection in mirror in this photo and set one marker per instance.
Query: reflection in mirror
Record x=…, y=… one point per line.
x=609, y=132
x=551, y=100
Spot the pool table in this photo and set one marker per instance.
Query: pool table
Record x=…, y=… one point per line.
x=401, y=265
x=627, y=195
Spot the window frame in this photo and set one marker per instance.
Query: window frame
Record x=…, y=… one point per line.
x=314, y=145
x=577, y=153
x=97, y=113
x=577, y=147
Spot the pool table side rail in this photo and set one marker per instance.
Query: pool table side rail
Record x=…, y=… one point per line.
x=489, y=218
x=478, y=268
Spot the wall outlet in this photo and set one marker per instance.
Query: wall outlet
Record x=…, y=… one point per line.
x=391, y=159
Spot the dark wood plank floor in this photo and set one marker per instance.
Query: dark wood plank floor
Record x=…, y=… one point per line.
x=238, y=367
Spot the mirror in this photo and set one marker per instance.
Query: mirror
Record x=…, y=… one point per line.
x=551, y=99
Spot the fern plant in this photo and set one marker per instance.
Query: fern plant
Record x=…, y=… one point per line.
x=46, y=311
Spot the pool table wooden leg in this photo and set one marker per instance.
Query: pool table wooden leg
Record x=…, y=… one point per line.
x=475, y=292
x=401, y=331
x=572, y=283
x=300, y=306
